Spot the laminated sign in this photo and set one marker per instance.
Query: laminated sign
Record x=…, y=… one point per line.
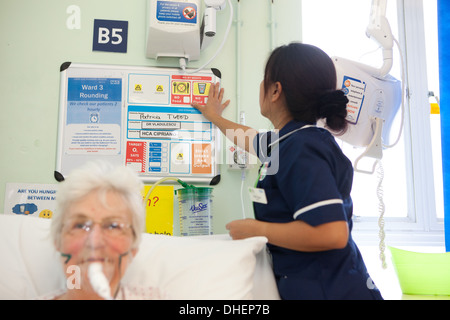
x=140, y=117
x=34, y=200
x=159, y=210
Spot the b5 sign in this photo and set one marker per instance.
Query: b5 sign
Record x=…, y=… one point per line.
x=110, y=35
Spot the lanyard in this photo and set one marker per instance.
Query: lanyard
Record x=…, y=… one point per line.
x=275, y=144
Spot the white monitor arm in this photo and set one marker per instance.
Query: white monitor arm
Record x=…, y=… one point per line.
x=379, y=30
x=381, y=93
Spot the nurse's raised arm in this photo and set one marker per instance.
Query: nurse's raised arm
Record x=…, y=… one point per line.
x=240, y=135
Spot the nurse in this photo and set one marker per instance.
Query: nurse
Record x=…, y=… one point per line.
x=304, y=206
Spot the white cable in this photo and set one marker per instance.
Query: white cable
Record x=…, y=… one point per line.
x=154, y=186
x=183, y=64
x=242, y=192
x=369, y=52
x=403, y=96
x=221, y=45
x=381, y=209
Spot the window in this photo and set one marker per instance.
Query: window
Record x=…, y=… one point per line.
x=431, y=42
x=412, y=193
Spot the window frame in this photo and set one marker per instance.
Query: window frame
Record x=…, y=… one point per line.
x=421, y=226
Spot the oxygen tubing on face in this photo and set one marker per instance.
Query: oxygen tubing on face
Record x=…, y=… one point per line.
x=100, y=283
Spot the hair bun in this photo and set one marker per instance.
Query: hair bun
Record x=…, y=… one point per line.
x=332, y=105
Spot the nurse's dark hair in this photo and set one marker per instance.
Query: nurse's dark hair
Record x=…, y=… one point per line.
x=308, y=79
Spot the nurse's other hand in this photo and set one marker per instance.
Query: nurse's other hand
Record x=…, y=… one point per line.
x=214, y=106
x=242, y=229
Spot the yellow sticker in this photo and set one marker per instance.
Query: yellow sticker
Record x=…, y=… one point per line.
x=435, y=108
x=47, y=214
x=159, y=210
x=201, y=88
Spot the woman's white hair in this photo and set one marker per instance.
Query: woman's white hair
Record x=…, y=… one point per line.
x=102, y=177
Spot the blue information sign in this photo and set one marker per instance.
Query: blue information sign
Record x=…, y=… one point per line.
x=94, y=100
x=171, y=11
x=110, y=35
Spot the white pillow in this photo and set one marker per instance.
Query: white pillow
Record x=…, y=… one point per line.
x=210, y=267
x=30, y=264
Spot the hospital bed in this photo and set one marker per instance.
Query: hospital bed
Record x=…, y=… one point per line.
x=198, y=268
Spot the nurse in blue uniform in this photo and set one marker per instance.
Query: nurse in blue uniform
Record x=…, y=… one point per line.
x=303, y=205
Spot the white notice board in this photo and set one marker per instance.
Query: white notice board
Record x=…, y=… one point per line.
x=140, y=117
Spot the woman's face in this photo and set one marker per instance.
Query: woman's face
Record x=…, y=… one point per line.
x=97, y=230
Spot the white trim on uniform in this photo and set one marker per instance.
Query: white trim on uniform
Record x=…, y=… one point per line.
x=317, y=205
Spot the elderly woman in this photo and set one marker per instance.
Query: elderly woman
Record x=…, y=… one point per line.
x=97, y=228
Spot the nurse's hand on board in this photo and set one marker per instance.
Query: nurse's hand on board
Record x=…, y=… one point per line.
x=214, y=106
x=246, y=228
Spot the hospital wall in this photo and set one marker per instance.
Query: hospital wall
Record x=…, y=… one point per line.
x=35, y=41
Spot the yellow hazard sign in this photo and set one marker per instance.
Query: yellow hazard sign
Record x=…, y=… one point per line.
x=159, y=88
x=137, y=87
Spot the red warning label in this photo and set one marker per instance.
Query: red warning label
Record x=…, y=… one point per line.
x=136, y=154
x=186, y=89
